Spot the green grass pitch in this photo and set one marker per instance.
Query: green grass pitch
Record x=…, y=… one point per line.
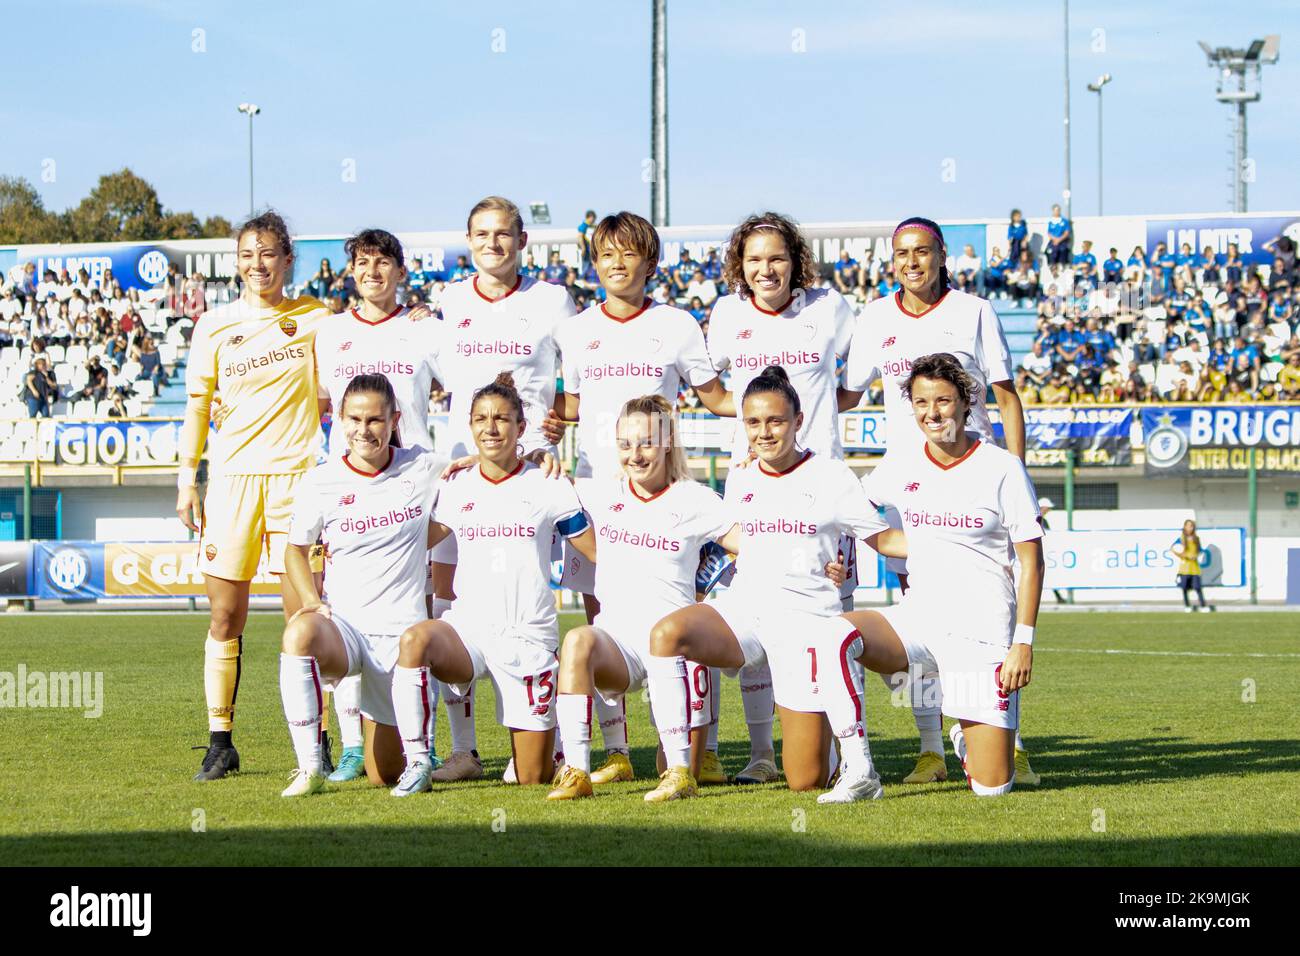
x=1147, y=758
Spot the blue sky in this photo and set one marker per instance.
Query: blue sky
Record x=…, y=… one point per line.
x=863, y=122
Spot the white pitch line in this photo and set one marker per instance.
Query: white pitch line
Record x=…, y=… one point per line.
x=1111, y=650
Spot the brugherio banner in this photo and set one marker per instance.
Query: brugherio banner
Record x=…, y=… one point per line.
x=1220, y=440
x=1098, y=435
x=1140, y=558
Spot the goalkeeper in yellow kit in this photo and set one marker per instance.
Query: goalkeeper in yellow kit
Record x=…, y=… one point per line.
x=257, y=353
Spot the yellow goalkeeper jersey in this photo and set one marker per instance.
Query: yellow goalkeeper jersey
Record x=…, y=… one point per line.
x=261, y=362
x=1190, y=562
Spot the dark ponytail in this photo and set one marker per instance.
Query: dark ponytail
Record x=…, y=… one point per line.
x=503, y=387
x=374, y=385
x=773, y=379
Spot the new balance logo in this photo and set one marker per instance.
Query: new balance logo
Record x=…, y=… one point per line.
x=234, y=340
x=464, y=324
x=593, y=345
x=748, y=498
x=888, y=342
x=617, y=506
x=912, y=486
x=347, y=499
x=468, y=506
x=345, y=346
x=744, y=333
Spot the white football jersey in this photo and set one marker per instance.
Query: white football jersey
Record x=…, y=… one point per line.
x=503, y=541
x=608, y=361
x=805, y=339
x=648, y=549
x=375, y=528
x=962, y=521
x=481, y=338
x=403, y=351
x=888, y=339
x=790, y=528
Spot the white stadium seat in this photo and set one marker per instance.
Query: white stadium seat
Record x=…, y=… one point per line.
x=55, y=353
x=9, y=355
x=134, y=407
x=80, y=376
x=83, y=409
x=77, y=354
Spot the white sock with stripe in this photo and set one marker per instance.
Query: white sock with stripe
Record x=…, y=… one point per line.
x=613, y=725
x=415, y=704
x=670, y=698
x=844, y=708
x=573, y=712
x=715, y=707
x=300, y=692
x=347, y=705
x=460, y=718
x=760, y=707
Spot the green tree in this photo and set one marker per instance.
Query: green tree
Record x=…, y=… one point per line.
x=122, y=206
x=218, y=227
x=23, y=216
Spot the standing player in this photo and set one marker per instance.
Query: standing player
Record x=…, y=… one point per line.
x=777, y=316
x=257, y=352
x=1187, y=549
x=497, y=320
x=371, y=505
x=379, y=337
x=616, y=350
x=792, y=507
x=969, y=510
x=924, y=317
x=502, y=622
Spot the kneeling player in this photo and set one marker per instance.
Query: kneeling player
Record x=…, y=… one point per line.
x=969, y=511
x=502, y=622
x=371, y=506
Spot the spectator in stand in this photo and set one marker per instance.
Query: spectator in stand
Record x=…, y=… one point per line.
x=1283, y=247
x=556, y=271
x=1060, y=237
x=702, y=288
x=1022, y=281
x=995, y=282
x=83, y=330
x=1069, y=343
x=463, y=270
x=1144, y=350
x=846, y=273
x=1281, y=309
x=1112, y=270
x=1061, y=277
x=96, y=387
x=151, y=366
x=1056, y=391
x=1137, y=267
x=1101, y=341
x=41, y=388
x=1244, y=373
x=118, y=409
x=712, y=266
x=1017, y=233
x=417, y=277
x=697, y=309
x=1085, y=256
x=60, y=332
x=968, y=265
x=1037, y=364
x=10, y=304
x=1288, y=379
x=531, y=269
x=1233, y=267
x=682, y=273
x=586, y=229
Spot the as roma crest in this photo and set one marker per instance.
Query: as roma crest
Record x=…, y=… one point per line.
x=289, y=327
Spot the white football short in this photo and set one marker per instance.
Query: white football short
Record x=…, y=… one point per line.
x=444, y=552
x=373, y=656
x=969, y=670
x=633, y=642
x=803, y=651
x=524, y=672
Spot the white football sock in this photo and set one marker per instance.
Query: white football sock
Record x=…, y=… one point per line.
x=670, y=699
x=574, y=714
x=440, y=606
x=460, y=718
x=982, y=791
x=613, y=725
x=1020, y=744
x=300, y=692
x=347, y=705
x=416, y=709
x=929, y=722
x=844, y=709
x=760, y=707
x=715, y=707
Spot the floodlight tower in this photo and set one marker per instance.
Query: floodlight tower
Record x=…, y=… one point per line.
x=1246, y=66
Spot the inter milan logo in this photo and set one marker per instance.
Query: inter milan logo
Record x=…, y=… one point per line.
x=464, y=324
x=912, y=486
x=289, y=327
x=347, y=499
x=744, y=333
x=888, y=342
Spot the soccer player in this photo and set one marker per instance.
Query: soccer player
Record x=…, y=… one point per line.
x=257, y=352
x=970, y=516
x=371, y=505
x=502, y=622
x=651, y=525
x=497, y=320
x=379, y=337
x=792, y=506
x=1187, y=549
x=777, y=316
x=924, y=317
x=623, y=348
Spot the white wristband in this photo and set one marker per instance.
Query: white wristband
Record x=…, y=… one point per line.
x=1024, y=635
x=186, y=477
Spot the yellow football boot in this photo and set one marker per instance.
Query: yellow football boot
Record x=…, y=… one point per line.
x=675, y=783
x=572, y=785
x=930, y=768
x=617, y=768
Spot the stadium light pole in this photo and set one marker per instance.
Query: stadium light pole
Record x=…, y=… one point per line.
x=1096, y=88
x=659, y=113
x=1246, y=66
x=1065, y=195
x=252, y=110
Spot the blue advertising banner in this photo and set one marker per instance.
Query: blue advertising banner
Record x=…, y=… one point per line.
x=1098, y=435
x=68, y=569
x=135, y=265
x=1219, y=440
x=1248, y=233
x=119, y=441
